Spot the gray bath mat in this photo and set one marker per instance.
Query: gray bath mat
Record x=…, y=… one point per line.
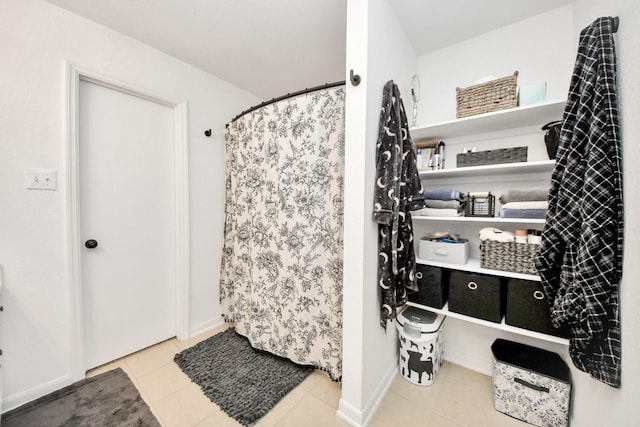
x=244, y=382
x=108, y=399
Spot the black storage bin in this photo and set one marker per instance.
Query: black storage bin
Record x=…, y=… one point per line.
x=477, y=295
x=531, y=384
x=528, y=308
x=433, y=284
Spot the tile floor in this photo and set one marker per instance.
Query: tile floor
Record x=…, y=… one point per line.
x=458, y=397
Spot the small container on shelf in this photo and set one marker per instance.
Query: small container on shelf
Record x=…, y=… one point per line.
x=449, y=252
x=492, y=157
x=480, y=204
x=508, y=256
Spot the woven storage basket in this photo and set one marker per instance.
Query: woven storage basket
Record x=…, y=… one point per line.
x=495, y=95
x=492, y=157
x=511, y=256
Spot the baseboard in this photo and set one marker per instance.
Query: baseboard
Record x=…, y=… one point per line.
x=206, y=326
x=362, y=418
x=19, y=399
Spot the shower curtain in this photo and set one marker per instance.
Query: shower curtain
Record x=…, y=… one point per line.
x=281, y=269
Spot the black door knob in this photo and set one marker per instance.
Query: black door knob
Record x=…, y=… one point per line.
x=91, y=244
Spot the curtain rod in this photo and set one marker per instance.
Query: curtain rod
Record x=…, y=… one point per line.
x=289, y=95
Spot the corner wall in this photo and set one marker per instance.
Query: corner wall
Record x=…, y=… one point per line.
x=35, y=40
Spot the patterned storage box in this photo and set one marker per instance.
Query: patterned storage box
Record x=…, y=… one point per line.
x=511, y=256
x=531, y=384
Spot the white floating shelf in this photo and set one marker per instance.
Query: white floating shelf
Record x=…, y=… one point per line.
x=492, y=220
x=500, y=326
x=503, y=169
x=473, y=266
x=529, y=115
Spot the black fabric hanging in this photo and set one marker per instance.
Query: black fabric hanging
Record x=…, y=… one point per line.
x=398, y=191
x=580, y=261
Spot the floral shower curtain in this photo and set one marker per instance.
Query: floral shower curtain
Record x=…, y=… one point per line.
x=281, y=270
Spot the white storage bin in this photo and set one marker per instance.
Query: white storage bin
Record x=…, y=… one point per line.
x=454, y=253
x=420, y=335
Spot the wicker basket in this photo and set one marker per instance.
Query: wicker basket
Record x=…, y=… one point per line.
x=495, y=95
x=492, y=157
x=514, y=257
x=480, y=206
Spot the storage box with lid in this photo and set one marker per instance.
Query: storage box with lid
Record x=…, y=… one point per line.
x=433, y=286
x=454, y=253
x=528, y=308
x=420, y=345
x=531, y=384
x=477, y=295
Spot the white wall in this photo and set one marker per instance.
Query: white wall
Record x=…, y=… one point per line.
x=35, y=39
x=370, y=358
x=539, y=48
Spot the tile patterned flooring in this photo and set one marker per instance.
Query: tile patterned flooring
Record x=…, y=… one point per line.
x=458, y=398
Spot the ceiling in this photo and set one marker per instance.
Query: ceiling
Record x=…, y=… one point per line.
x=273, y=47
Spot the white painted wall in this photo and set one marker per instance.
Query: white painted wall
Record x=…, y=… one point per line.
x=370, y=358
x=35, y=39
x=540, y=48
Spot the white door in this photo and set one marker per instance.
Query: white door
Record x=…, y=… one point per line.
x=127, y=209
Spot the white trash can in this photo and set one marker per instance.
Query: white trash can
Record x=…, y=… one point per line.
x=420, y=344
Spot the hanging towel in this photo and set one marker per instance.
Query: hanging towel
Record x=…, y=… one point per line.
x=398, y=191
x=580, y=259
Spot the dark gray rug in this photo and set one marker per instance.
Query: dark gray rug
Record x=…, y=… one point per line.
x=244, y=382
x=108, y=399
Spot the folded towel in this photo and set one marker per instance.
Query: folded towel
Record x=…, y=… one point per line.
x=525, y=195
x=479, y=194
x=526, y=205
x=523, y=213
x=438, y=212
x=495, y=234
x=443, y=204
x=443, y=195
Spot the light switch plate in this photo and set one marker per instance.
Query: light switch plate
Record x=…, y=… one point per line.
x=40, y=179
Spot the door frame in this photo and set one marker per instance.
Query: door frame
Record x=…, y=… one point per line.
x=73, y=75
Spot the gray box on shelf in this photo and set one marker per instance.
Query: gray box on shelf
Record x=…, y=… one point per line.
x=454, y=253
x=531, y=384
x=509, y=256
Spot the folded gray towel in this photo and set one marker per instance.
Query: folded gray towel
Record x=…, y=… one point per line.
x=443, y=204
x=523, y=213
x=524, y=195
